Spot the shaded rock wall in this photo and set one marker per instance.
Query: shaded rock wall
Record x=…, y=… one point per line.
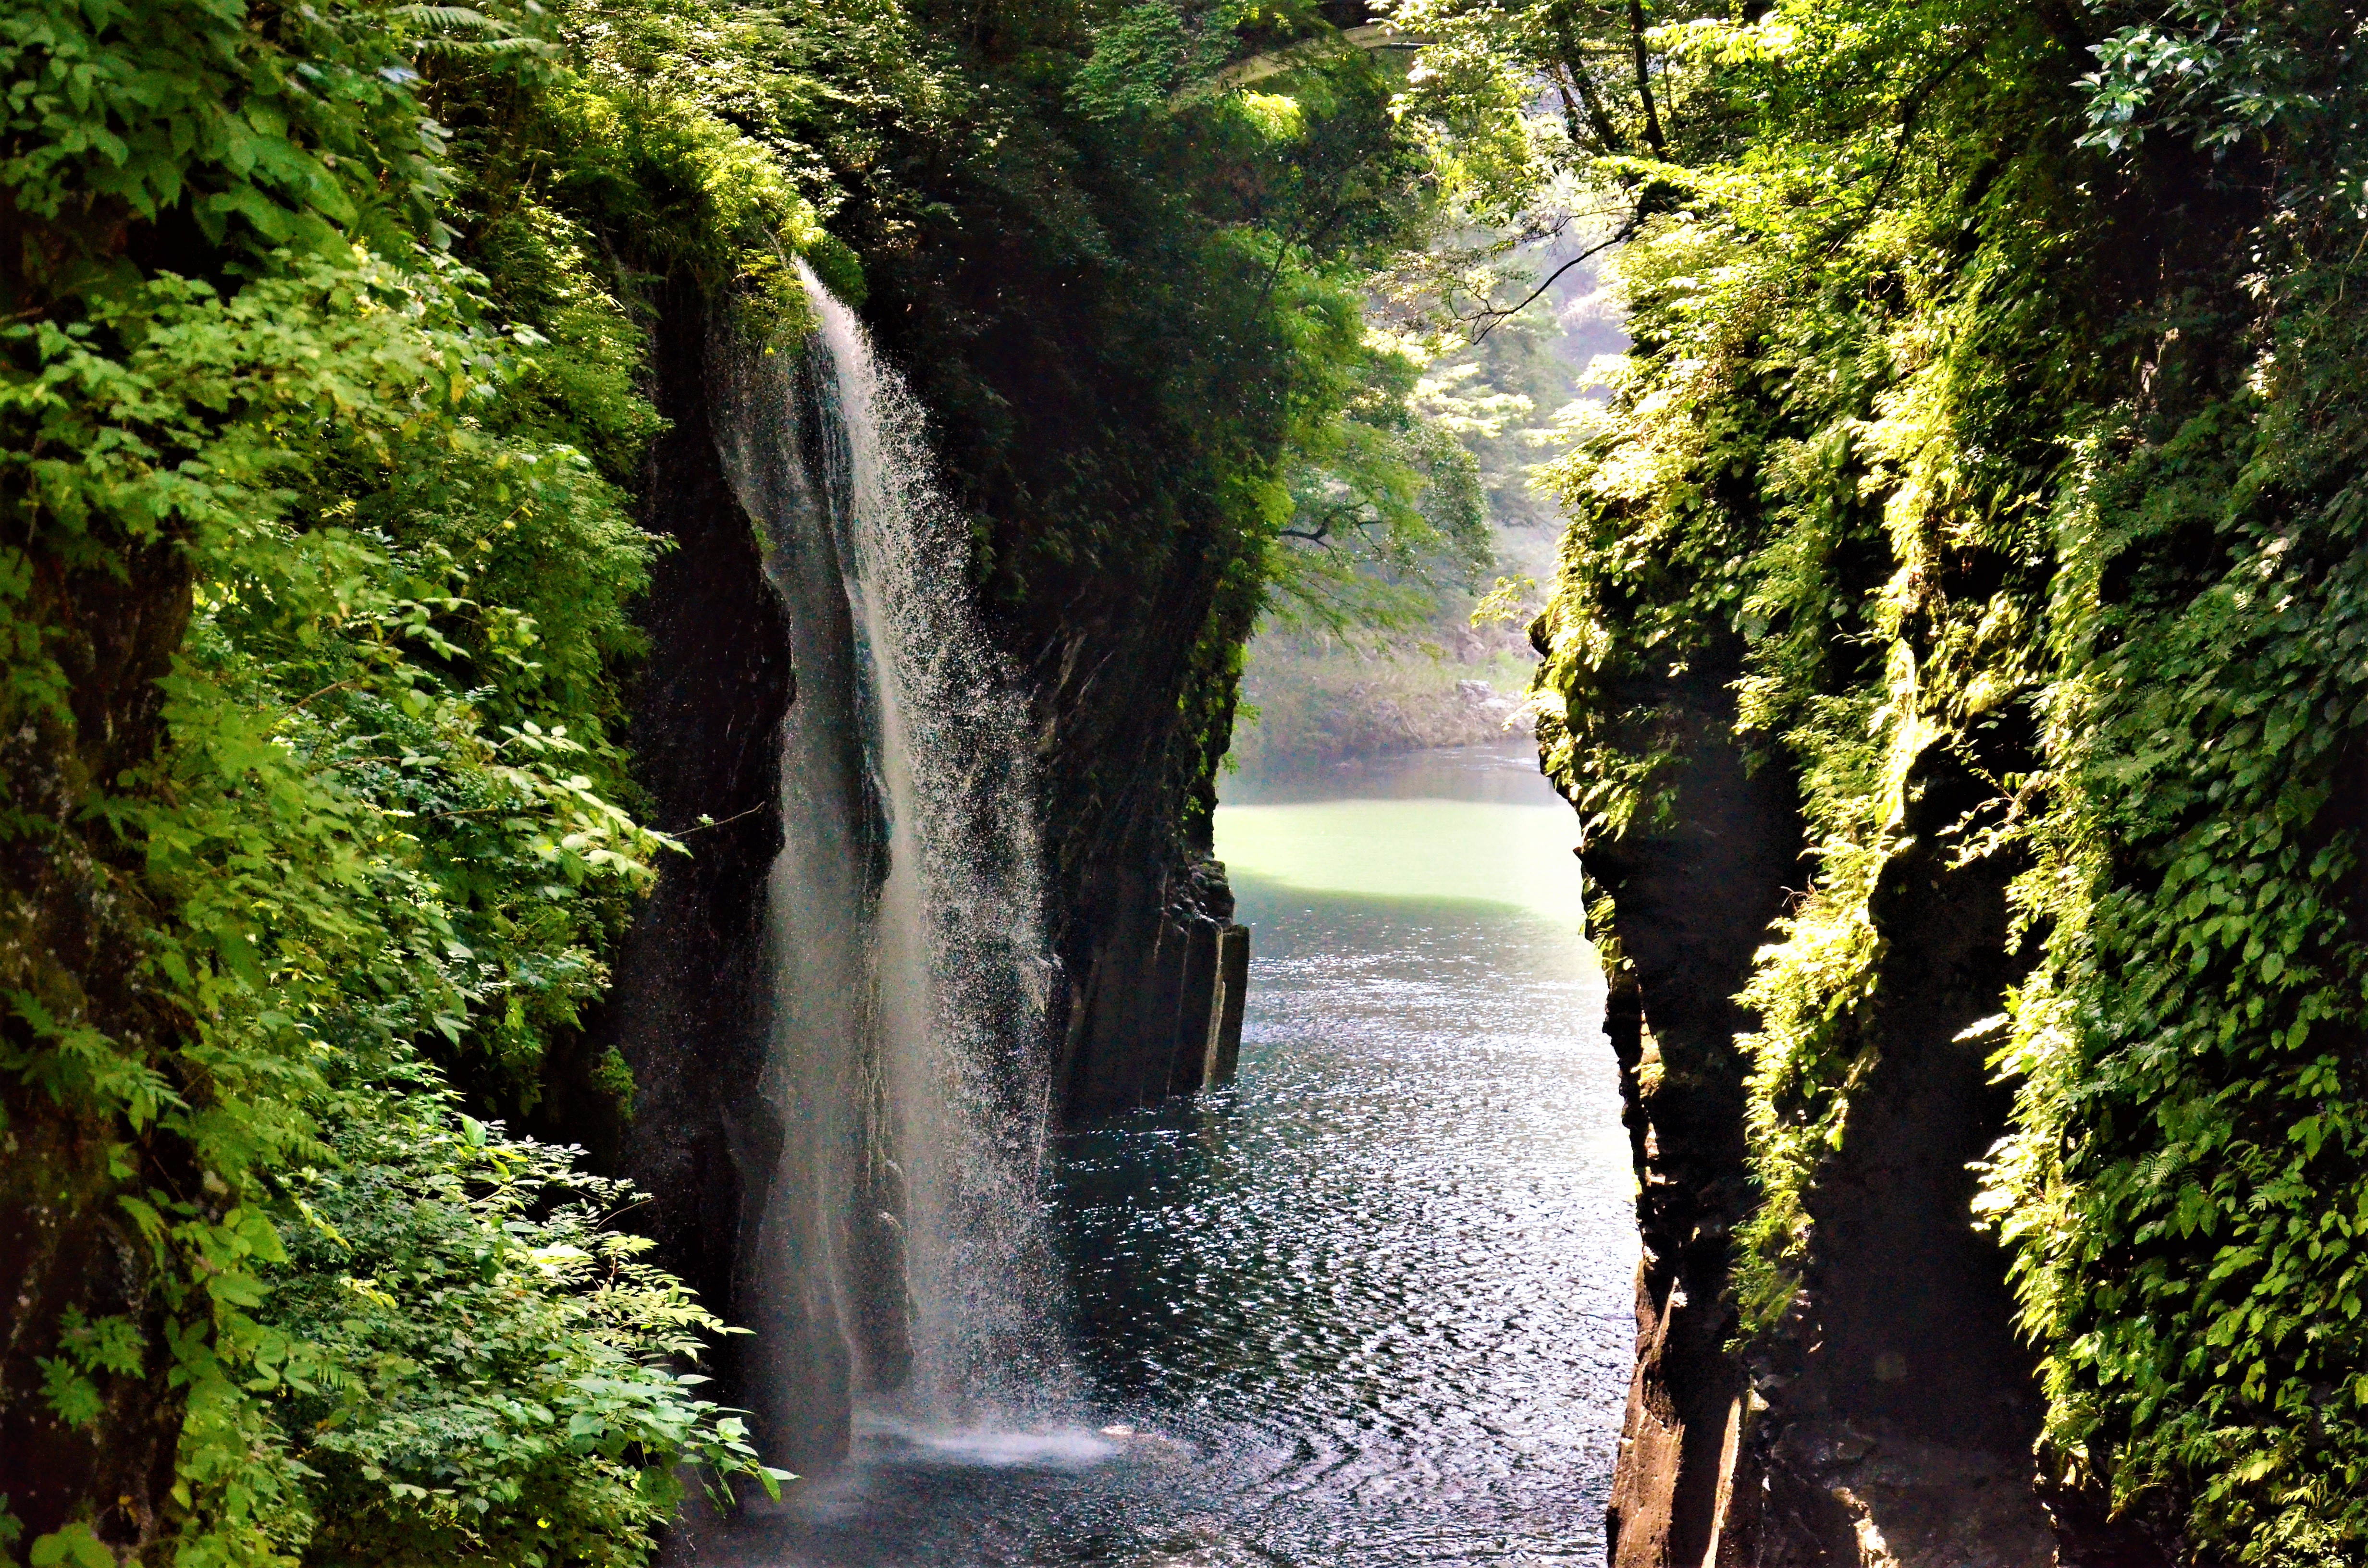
x=1899, y=1404
x=1148, y=998
x=685, y=1011
x=1693, y=901
x=72, y=913
x=1159, y=1009
x=1136, y=721
x=1889, y=1419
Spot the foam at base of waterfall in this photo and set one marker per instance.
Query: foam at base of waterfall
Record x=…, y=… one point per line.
x=992, y=1448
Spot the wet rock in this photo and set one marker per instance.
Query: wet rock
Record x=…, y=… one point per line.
x=1160, y=1011
x=685, y=1011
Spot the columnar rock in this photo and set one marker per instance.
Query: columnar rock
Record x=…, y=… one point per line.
x=1889, y=1417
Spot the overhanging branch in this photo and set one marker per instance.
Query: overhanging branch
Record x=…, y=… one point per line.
x=1494, y=315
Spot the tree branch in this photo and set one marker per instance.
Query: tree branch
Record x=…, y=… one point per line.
x=1493, y=315
x=1653, y=136
x=1914, y=108
x=1574, y=66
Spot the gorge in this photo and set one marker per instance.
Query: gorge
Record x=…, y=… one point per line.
x=626, y=931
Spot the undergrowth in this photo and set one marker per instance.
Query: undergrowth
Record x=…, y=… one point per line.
x=327, y=335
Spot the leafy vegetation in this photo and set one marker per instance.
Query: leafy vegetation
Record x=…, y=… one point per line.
x=319, y=437
x=1991, y=402
x=339, y=817
x=1984, y=408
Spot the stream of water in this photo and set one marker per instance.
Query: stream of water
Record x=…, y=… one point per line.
x=1368, y=1307
x=902, y=1251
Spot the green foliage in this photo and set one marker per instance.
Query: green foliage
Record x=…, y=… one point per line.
x=1136, y=63
x=2216, y=73
x=369, y=829
x=1912, y=460
x=377, y=834
x=2187, y=1185
x=1556, y=119
x=76, y=1544
x=1385, y=507
x=1376, y=506
x=1346, y=502
x=293, y=132
x=490, y=1373
x=324, y=336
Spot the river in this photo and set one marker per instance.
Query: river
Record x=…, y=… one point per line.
x=1370, y=1306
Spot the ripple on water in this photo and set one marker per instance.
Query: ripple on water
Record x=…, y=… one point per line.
x=1368, y=1307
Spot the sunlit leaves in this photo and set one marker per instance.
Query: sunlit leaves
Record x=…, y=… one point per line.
x=383, y=825
x=1870, y=361
x=488, y=1368
x=2216, y=72
x=1136, y=62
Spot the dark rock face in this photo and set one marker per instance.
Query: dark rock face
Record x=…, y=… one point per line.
x=70, y=939
x=1889, y=1419
x=1159, y=1011
x=1693, y=903
x=686, y=1011
x=1901, y=1403
x=1116, y=656
x=1130, y=799
x=1148, y=998
x=1900, y=1410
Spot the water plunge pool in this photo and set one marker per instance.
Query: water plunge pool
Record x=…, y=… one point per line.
x=1368, y=1307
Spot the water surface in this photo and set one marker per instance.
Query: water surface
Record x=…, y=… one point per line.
x=1369, y=1305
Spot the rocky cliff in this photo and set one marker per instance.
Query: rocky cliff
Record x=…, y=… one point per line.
x=1125, y=684
x=687, y=1011
x=1889, y=1415
x=1947, y=663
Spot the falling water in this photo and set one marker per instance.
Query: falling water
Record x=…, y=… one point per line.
x=902, y=1262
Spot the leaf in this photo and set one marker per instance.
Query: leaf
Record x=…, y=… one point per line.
x=75, y=1544
x=73, y=1396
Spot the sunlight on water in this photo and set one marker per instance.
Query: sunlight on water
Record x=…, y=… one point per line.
x=1370, y=1305
x=1482, y=852
x=1474, y=825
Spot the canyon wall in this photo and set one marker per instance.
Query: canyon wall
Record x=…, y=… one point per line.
x=2003, y=542
x=1145, y=993
x=1889, y=1417
x=687, y=1011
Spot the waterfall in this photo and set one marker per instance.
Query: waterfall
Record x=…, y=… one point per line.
x=900, y=1258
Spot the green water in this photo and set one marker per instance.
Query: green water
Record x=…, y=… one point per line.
x=1486, y=854
x=1372, y=1304
x=1474, y=826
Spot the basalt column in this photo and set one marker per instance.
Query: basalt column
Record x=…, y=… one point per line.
x=1693, y=903
x=1159, y=1012
x=685, y=1011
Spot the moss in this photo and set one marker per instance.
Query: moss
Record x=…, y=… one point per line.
x=1907, y=463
